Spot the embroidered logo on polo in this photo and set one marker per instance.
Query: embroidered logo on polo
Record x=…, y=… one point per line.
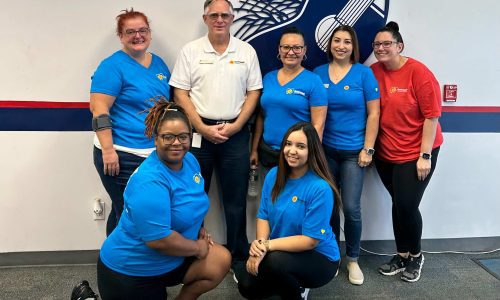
x=236, y=62
x=161, y=76
x=322, y=231
x=346, y=87
x=197, y=178
x=296, y=198
x=290, y=91
x=260, y=22
x=395, y=89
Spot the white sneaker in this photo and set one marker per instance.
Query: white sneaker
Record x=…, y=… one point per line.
x=355, y=274
x=304, y=292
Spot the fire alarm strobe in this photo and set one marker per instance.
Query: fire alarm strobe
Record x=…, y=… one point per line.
x=450, y=93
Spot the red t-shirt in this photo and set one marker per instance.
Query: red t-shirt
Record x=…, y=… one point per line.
x=408, y=96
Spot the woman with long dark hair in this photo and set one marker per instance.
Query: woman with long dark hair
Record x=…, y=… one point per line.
x=295, y=248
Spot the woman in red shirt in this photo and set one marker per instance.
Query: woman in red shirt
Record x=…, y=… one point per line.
x=407, y=145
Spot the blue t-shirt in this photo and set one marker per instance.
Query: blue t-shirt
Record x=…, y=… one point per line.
x=303, y=207
x=346, y=118
x=158, y=200
x=132, y=84
x=286, y=105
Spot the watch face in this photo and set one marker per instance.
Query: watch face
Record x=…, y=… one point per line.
x=370, y=151
x=426, y=156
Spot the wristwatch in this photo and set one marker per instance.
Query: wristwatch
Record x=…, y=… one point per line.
x=425, y=155
x=369, y=151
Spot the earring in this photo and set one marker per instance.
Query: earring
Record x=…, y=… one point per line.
x=278, y=56
x=305, y=57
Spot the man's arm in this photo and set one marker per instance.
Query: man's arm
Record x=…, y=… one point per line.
x=252, y=98
x=211, y=133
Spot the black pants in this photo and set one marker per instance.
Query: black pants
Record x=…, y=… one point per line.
x=116, y=286
x=406, y=191
x=232, y=163
x=283, y=273
x=115, y=185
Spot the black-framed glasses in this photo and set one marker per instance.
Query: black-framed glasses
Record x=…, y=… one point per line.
x=144, y=31
x=296, y=49
x=385, y=44
x=215, y=16
x=169, y=138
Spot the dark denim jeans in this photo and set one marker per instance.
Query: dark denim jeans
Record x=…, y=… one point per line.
x=115, y=185
x=349, y=177
x=231, y=160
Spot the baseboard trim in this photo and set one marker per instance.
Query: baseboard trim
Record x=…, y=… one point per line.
x=481, y=244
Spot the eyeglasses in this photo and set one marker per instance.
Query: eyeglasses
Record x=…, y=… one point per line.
x=295, y=49
x=215, y=16
x=385, y=44
x=169, y=138
x=142, y=32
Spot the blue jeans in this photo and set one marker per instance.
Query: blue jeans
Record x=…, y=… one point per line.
x=115, y=185
x=231, y=159
x=349, y=177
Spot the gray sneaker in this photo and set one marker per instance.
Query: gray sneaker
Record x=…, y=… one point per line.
x=393, y=267
x=413, y=268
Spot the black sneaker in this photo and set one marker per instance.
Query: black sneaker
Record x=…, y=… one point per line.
x=413, y=268
x=395, y=266
x=83, y=291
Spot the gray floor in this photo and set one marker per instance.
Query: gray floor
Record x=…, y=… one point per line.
x=445, y=276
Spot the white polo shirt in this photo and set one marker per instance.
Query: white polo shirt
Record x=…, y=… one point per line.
x=217, y=83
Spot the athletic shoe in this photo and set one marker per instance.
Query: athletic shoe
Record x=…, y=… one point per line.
x=355, y=274
x=413, y=268
x=304, y=292
x=393, y=267
x=83, y=291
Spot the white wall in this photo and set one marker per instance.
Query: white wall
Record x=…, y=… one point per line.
x=50, y=49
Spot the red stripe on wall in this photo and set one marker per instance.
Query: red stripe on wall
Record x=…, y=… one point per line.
x=471, y=109
x=42, y=104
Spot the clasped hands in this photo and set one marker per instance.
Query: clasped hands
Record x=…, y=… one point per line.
x=204, y=243
x=257, y=253
x=219, y=133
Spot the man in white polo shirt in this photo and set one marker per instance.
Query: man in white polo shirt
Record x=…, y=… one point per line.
x=217, y=80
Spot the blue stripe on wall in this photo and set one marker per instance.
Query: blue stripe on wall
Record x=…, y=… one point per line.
x=45, y=119
x=79, y=119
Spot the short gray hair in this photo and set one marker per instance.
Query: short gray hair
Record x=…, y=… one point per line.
x=208, y=2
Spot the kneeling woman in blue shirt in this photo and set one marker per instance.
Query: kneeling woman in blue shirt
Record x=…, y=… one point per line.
x=295, y=246
x=160, y=240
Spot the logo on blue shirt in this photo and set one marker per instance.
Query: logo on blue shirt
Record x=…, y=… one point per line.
x=161, y=76
x=197, y=178
x=295, y=92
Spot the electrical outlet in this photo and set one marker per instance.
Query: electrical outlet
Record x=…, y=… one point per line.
x=99, y=210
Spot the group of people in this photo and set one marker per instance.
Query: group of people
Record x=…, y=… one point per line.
x=160, y=135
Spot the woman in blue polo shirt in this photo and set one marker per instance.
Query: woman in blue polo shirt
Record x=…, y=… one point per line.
x=291, y=94
x=350, y=132
x=120, y=88
x=295, y=246
x=160, y=240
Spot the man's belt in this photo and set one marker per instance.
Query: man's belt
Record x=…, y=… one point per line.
x=217, y=122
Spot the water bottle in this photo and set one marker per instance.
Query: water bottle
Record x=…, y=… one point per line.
x=253, y=178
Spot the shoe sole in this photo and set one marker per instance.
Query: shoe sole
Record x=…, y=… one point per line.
x=395, y=272
x=356, y=281
x=419, y=273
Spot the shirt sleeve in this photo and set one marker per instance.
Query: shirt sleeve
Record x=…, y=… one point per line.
x=370, y=85
x=148, y=205
x=318, y=96
x=318, y=212
x=181, y=75
x=107, y=79
x=254, y=81
x=265, y=199
x=427, y=93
